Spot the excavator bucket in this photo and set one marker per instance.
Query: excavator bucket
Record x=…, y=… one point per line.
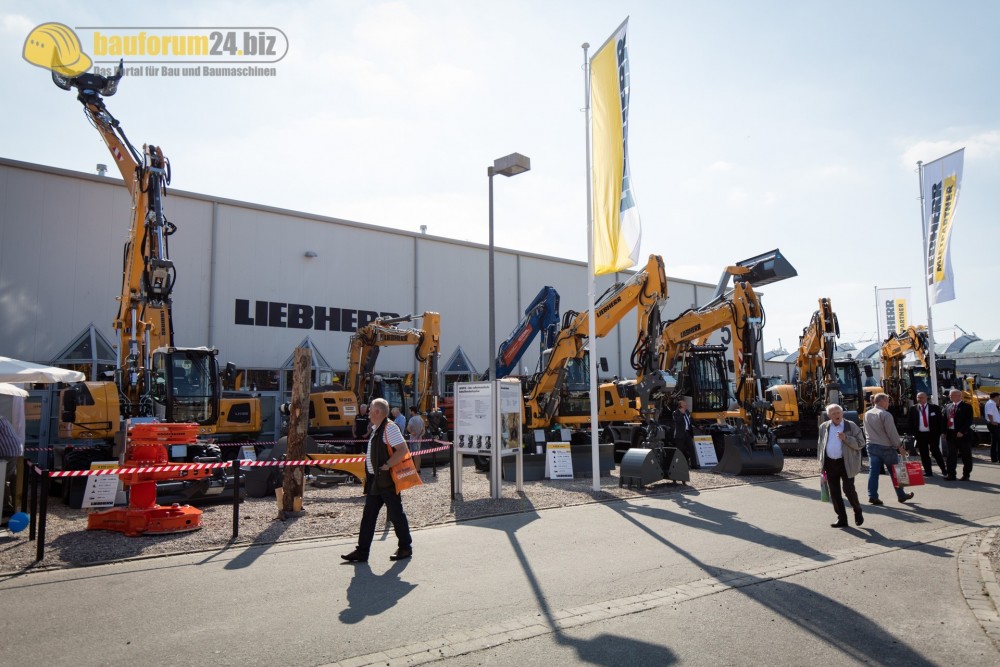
x=740, y=457
x=761, y=270
x=641, y=467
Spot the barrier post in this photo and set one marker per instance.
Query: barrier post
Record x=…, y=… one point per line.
x=33, y=505
x=434, y=459
x=456, y=460
x=236, y=498
x=40, y=550
x=25, y=472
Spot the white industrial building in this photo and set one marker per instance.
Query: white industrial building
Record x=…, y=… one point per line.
x=256, y=281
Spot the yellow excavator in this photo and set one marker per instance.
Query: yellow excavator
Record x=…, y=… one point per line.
x=364, y=384
x=902, y=384
x=154, y=377
x=700, y=374
x=798, y=410
x=559, y=392
x=557, y=396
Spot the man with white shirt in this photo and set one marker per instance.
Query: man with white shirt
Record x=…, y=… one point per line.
x=839, y=449
x=924, y=420
x=993, y=424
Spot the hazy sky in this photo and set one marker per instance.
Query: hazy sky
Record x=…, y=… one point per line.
x=753, y=125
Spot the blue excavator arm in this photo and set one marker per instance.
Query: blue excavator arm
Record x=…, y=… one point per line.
x=541, y=316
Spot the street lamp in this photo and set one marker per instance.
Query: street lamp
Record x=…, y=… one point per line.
x=509, y=165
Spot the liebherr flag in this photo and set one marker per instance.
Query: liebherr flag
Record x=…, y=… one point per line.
x=942, y=181
x=617, y=231
x=893, y=309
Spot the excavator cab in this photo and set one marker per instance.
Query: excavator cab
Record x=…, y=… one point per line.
x=185, y=385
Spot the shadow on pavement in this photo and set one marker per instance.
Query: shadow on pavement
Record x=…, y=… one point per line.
x=605, y=649
x=839, y=626
x=898, y=512
x=724, y=522
x=370, y=594
x=258, y=547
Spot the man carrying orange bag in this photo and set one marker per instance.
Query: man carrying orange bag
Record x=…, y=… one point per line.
x=380, y=488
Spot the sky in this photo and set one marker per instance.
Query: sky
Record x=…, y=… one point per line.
x=753, y=126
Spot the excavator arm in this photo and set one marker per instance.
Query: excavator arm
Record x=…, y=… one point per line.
x=894, y=350
x=815, y=363
x=153, y=378
x=738, y=310
x=540, y=317
x=645, y=291
x=369, y=339
x=144, y=320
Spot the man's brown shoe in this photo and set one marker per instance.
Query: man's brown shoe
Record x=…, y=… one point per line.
x=401, y=554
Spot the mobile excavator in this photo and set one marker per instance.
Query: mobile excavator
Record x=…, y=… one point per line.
x=903, y=384
x=798, y=410
x=700, y=375
x=154, y=378
x=559, y=392
x=328, y=406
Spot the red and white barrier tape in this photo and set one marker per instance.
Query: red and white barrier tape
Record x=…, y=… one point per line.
x=224, y=464
x=142, y=469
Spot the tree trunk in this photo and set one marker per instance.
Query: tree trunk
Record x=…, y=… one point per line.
x=298, y=427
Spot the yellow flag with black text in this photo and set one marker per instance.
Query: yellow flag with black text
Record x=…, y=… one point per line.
x=617, y=230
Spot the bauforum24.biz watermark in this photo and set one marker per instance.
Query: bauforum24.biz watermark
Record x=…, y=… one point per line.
x=150, y=51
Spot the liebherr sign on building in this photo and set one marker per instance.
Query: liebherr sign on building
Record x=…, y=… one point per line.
x=300, y=316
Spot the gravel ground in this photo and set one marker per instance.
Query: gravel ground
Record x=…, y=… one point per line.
x=335, y=511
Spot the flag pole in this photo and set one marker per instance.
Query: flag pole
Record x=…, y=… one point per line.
x=931, y=355
x=878, y=319
x=591, y=290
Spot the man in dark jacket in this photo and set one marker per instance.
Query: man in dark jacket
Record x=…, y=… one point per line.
x=924, y=421
x=958, y=428
x=684, y=434
x=362, y=428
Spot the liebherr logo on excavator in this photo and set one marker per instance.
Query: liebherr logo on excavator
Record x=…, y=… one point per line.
x=690, y=330
x=608, y=306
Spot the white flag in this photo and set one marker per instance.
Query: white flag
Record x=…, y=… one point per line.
x=942, y=181
x=893, y=309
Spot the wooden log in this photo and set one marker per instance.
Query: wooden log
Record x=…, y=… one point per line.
x=298, y=426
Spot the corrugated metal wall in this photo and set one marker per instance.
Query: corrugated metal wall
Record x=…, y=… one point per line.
x=246, y=286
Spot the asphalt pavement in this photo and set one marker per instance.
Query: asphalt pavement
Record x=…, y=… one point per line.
x=733, y=576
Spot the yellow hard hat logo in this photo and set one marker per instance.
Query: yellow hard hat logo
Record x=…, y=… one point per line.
x=56, y=47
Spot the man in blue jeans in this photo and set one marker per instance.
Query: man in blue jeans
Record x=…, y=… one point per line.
x=884, y=447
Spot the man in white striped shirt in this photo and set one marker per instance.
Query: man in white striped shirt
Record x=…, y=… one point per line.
x=379, y=488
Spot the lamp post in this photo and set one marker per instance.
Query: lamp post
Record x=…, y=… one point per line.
x=509, y=165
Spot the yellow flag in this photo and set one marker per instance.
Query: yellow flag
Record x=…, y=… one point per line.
x=617, y=230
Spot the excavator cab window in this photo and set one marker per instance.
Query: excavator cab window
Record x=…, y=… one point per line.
x=391, y=389
x=920, y=381
x=190, y=388
x=709, y=381
x=578, y=374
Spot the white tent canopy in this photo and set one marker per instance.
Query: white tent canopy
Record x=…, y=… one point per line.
x=12, y=390
x=12, y=370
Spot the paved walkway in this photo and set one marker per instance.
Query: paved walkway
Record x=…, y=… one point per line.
x=750, y=574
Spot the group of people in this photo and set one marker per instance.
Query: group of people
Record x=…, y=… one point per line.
x=841, y=443
x=386, y=447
